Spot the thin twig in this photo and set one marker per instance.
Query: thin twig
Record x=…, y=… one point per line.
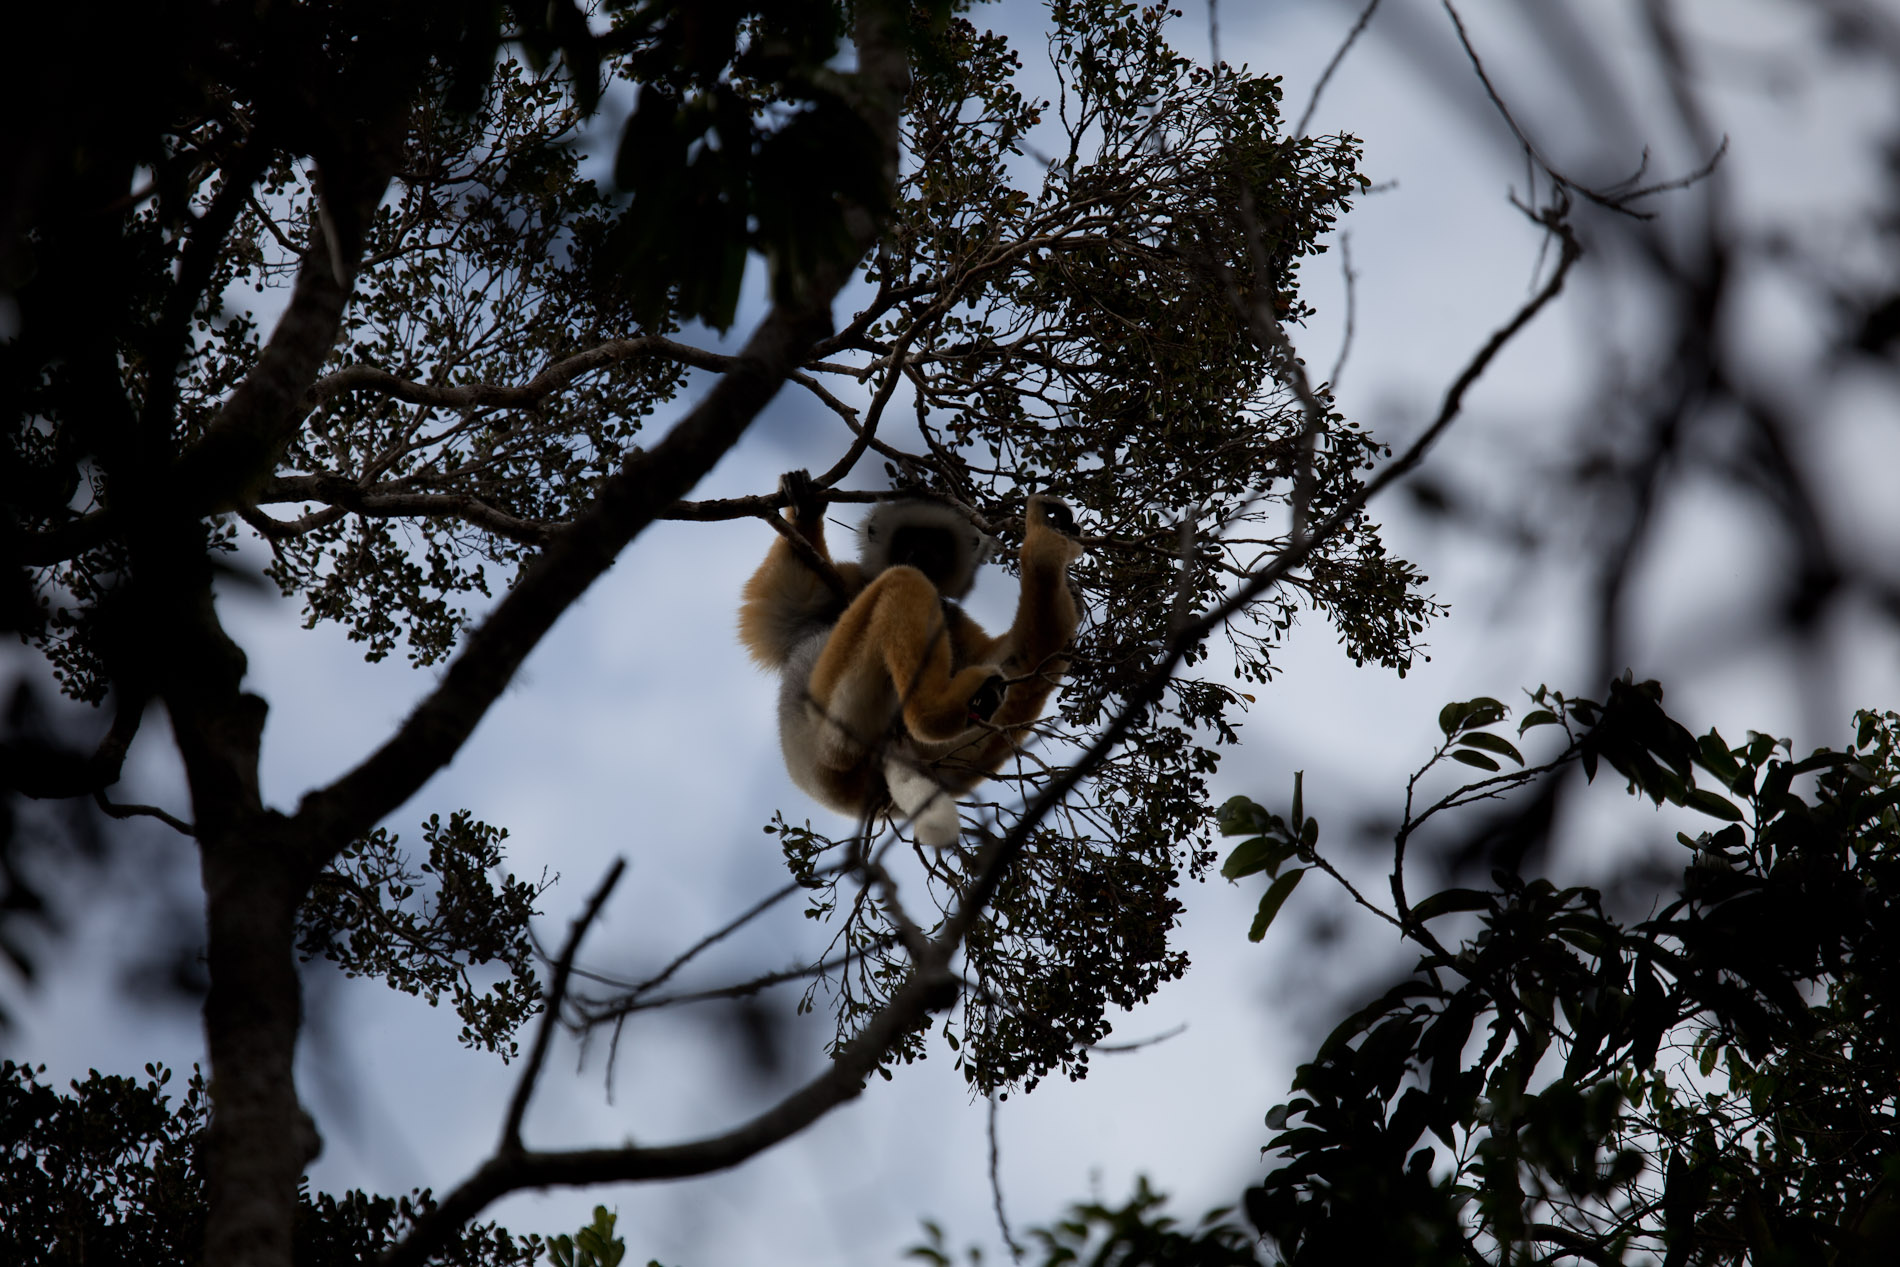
x=551, y=1013
x=1137, y=1044
x=1614, y=198
x=1356, y=895
x=621, y=1008
x=1352, y=309
x=718, y=935
x=118, y=810
x=996, y=1186
x=808, y=555
x=1326, y=76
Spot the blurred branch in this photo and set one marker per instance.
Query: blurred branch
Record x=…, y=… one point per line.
x=1617, y=199
x=558, y=375
x=1326, y=76
x=115, y=809
x=38, y=768
x=551, y=1011
x=634, y=990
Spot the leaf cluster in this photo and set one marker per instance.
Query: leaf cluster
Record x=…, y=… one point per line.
x=1713, y=1081
x=1136, y=1232
x=1081, y=333
x=1062, y=293
x=428, y=928
x=113, y=1172
x=743, y=139
x=593, y=1246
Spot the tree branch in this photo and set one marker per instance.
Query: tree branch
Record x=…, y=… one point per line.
x=244, y=440
x=551, y=1010
x=370, y=378
x=44, y=771
x=644, y=487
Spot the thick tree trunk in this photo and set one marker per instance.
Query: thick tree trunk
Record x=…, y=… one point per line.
x=260, y=1138
x=254, y=874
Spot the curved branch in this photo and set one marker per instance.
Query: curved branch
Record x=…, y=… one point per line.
x=550, y=1017
x=347, y=495
x=244, y=440
x=115, y=809
x=371, y=378
x=44, y=771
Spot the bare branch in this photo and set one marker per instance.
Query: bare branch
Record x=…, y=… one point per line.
x=350, y=496
x=1616, y=199
x=370, y=378
x=115, y=809
x=636, y=989
x=996, y=1186
x=1352, y=297
x=550, y=1016
x=1137, y=1044
x=1326, y=76
x=44, y=771
x=616, y=1009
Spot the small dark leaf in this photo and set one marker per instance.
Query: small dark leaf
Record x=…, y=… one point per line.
x=1475, y=758
x=1537, y=717
x=1717, y=760
x=1713, y=805
x=1270, y=904
x=1247, y=858
x=1241, y=817
x=1450, y=900
x=1492, y=743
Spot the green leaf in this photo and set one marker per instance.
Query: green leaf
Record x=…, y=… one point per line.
x=1485, y=711
x=1298, y=814
x=1475, y=758
x=1270, y=904
x=1242, y=817
x=1467, y=714
x=1537, y=717
x=1449, y=900
x=1717, y=759
x=1248, y=857
x=1492, y=743
x=1711, y=804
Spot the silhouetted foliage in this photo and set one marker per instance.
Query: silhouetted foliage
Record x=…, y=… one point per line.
x=112, y=1172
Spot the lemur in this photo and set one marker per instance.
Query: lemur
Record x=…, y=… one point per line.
x=889, y=689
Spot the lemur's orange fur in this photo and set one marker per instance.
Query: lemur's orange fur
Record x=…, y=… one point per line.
x=893, y=647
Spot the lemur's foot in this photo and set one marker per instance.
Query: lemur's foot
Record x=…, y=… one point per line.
x=930, y=807
x=806, y=500
x=988, y=698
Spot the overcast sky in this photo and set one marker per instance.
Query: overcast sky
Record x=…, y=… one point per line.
x=639, y=728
